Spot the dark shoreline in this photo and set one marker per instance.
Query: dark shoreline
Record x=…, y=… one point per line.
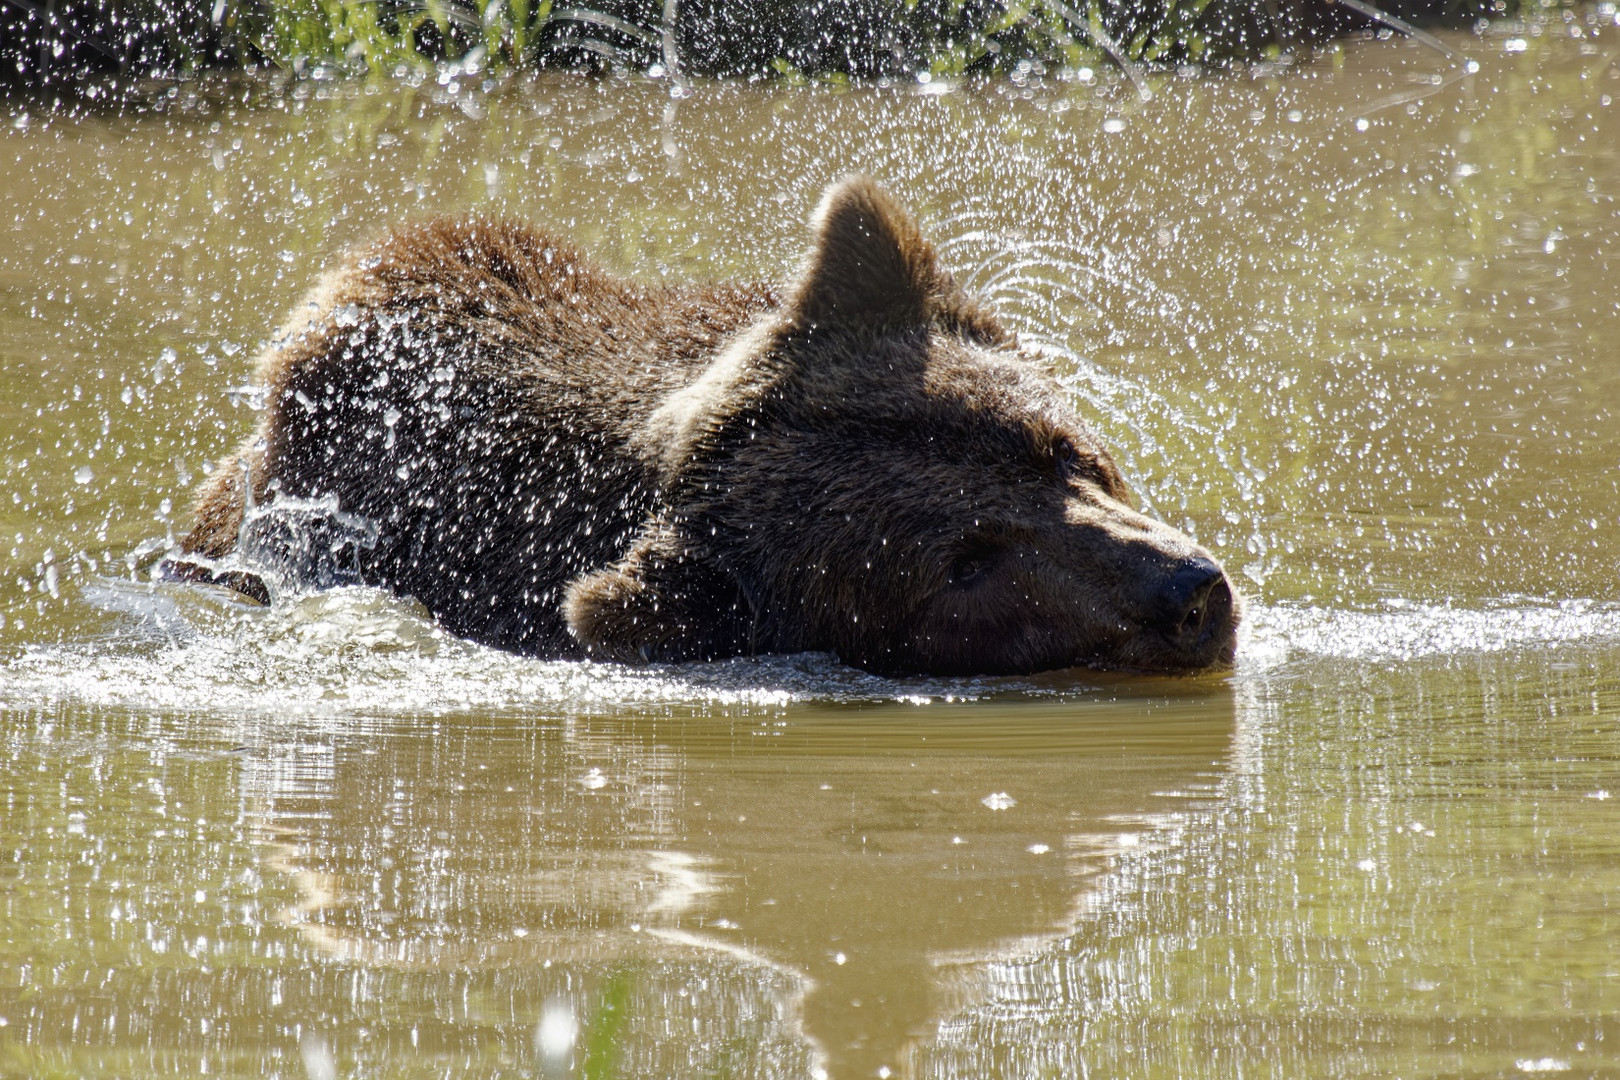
x=91, y=48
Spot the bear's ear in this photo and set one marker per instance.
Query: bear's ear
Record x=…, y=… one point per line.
x=659, y=604
x=870, y=268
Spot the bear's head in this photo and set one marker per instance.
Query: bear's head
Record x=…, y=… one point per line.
x=875, y=469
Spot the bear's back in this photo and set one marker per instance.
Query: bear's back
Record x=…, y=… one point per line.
x=474, y=389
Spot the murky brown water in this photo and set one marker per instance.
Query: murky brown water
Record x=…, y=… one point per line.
x=1354, y=326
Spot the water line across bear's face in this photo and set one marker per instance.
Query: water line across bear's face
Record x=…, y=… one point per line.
x=864, y=463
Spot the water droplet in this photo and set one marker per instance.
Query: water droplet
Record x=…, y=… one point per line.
x=554, y=1036
x=999, y=800
x=317, y=1055
x=167, y=364
x=251, y=396
x=83, y=474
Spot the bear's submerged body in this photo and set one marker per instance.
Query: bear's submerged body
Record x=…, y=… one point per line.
x=557, y=462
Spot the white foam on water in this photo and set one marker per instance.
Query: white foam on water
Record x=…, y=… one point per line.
x=360, y=651
x=1404, y=630
x=357, y=650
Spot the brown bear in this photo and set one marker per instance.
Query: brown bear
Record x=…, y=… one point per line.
x=561, y=463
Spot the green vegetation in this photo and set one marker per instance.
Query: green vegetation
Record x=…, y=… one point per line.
x=823, y=38
x=605, y=1030
x=62, y=42
x=58, y=43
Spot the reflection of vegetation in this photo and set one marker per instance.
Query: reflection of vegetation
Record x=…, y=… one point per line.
x=58, y=42
x=604, y=1032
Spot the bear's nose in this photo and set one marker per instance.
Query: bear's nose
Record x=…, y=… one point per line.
x=1193, y=597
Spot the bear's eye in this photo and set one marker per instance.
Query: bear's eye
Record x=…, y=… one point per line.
x=1066, y=456
x=971, y=565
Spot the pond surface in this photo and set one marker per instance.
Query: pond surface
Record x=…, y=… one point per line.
x=1354, y=326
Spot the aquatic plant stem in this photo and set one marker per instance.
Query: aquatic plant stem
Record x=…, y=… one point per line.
x=671, y=49
x=1400, y=25
x=1093, y=29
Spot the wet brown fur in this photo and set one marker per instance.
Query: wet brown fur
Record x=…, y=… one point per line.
x=562, y=463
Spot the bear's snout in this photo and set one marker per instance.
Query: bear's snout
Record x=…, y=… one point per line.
x=1181, y=607
x=1194, y=609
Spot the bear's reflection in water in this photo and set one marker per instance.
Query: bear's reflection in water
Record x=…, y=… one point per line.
x=864, y=462
x=773, y=890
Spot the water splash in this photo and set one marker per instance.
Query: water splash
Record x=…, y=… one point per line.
x=358, y=651
x=1403, y=630
x=302, y=544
